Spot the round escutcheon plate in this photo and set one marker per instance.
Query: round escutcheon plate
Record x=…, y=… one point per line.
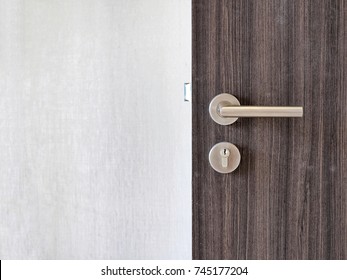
x=224, y=157
x=223, y=99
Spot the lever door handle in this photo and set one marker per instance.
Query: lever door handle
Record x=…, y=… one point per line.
x=225, y=109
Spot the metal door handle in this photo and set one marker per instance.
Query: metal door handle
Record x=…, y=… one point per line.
x=225, y=109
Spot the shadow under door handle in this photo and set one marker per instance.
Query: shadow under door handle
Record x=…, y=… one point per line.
x=225, y=109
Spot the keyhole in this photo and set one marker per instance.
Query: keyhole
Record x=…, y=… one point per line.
x=225, y=156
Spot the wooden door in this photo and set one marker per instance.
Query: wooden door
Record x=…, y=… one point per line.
x=288, y=197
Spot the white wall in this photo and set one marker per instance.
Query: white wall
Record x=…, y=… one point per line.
x=95, y=139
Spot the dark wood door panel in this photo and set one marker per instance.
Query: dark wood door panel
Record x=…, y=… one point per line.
x=288, y=198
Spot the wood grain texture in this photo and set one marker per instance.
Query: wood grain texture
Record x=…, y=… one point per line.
x=288, y=198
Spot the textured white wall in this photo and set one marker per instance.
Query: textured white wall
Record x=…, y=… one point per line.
x=95, y=139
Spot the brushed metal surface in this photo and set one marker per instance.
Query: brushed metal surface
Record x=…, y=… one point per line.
x=224, y=157
x=226, y=109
